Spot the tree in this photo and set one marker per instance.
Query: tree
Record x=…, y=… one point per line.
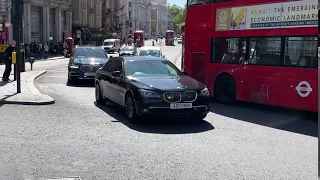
x=174, y=10
x=178, y=14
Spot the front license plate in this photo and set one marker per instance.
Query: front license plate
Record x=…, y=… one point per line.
x=181, y=106
x=90, y=74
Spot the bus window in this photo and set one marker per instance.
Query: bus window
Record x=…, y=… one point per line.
x=302, y=51
x=265, y=51
x=229, y=50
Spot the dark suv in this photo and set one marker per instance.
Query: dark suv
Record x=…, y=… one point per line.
x=85, y=62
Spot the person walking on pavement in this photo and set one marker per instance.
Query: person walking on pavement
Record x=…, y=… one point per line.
x=8, y=60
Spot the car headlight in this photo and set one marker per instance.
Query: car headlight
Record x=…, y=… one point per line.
x=204, y=92
x=148, y=94
x=72, y=66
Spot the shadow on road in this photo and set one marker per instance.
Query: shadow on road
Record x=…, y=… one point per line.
x=82, y=83
x=2, y=100
x=275, y=117
x=157, y=125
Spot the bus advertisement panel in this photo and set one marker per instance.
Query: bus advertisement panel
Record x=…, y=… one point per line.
x=262, y=53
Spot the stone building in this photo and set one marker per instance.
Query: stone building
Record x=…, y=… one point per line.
x=46, y=20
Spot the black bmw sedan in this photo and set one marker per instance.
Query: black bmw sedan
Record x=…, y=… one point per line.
x=85, y=62
x=146, y=85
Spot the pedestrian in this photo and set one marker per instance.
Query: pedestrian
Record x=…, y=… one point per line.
x=46, y=50
x=8, y=60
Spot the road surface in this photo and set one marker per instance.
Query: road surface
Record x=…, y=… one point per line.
x=74, y=137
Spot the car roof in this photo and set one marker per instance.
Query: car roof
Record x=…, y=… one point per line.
x=143, y=58
x=150, y=47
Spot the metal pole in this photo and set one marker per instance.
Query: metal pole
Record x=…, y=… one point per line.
x=18, y=5
x=21, y=43
x=182, y=55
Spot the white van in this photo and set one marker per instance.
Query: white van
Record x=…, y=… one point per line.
x=111, y=45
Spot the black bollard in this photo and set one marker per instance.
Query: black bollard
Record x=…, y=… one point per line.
x=31, y=61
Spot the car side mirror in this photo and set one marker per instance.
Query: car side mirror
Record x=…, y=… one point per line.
x=185, y=73
x=163, y=56
x=116, y=74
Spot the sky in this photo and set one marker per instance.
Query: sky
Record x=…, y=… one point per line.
x=180, y=3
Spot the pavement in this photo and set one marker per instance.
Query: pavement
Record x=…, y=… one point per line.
x=74, y=137
x=29, y=95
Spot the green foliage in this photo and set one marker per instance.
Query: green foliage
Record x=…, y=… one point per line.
x=179, y=16
x=174, y=10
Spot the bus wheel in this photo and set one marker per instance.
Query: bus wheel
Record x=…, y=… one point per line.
x=225, y=89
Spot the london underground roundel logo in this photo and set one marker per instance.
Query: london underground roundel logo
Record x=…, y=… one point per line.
x=223, y=16
x=304, y=89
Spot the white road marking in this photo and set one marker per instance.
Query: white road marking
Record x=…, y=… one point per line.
x=65, y=77
x=60, y=69
x=45, y=88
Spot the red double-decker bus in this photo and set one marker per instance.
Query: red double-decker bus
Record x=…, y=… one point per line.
x=169, y=38
x=254, y=51
x=138, y=38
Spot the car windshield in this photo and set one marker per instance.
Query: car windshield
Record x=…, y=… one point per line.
x=149, y=52
x=108, y=43
x=90, y=52
x=127, y=48
x=151, y=68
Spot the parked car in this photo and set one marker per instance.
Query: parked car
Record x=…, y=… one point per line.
x=179, y=40
x=150, y=51
x=85, y=62
x=127, y=51
x=150, y=86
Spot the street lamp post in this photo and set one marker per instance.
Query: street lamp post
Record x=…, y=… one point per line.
x=16, y=12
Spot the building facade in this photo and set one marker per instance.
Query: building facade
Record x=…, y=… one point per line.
x=91, y=20
x=136, y=16
x=159, y=17
x=45, y=20
x=5, y=23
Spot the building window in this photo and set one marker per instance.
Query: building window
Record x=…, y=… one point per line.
x=64, y=19
x=36, y=22
x=130, y=4
x=266, y=51
x=92, y=3
x=91, y=20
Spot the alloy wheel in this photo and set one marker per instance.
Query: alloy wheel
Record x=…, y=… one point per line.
x=129, y=107
x=97, y=92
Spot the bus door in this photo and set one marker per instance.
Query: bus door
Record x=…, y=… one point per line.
x=261, y=69
x=300, y=73
x=287, y=81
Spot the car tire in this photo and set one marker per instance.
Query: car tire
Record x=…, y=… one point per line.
x=130, y=109
x=225, y=89
x=70, y=80
x=99, y=98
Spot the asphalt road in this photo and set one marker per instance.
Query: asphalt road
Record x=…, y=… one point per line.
x=74, y=137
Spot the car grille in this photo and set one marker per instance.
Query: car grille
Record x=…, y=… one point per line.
x=172, y=96
x=106, y=48
x=188, y=96
x=89, y=68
